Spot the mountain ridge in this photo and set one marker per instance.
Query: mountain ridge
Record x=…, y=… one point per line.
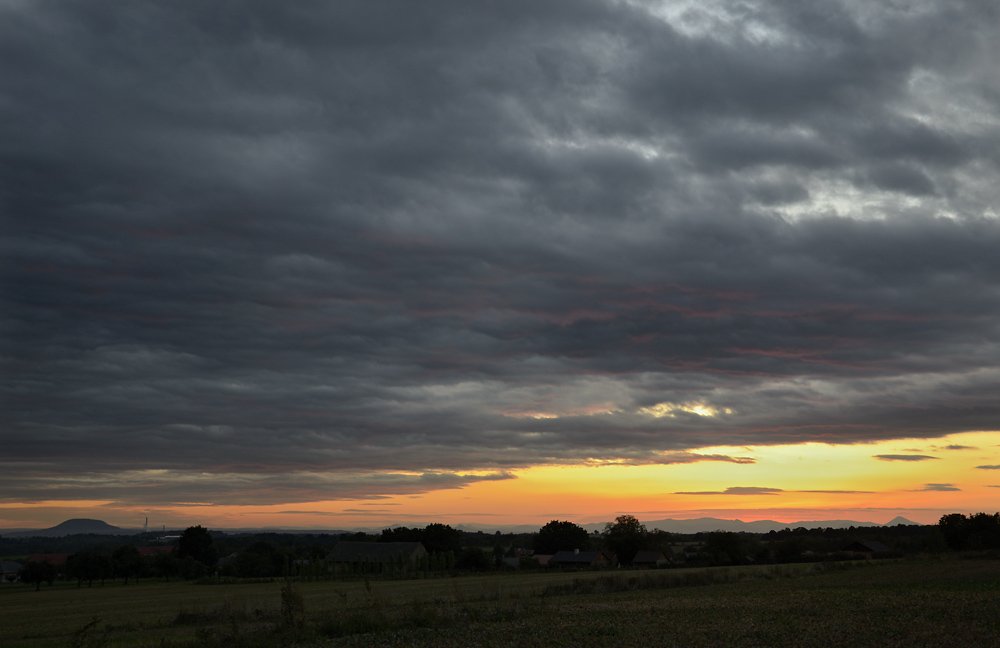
x=707, y=524
x=73, y=526
x=670, y=525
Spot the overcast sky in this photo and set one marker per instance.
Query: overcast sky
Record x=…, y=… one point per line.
x=279, y=252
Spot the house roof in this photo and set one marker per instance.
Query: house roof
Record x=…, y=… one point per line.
x=873, y=546
x=649, y=557
x=348, y=550
x=9, y=567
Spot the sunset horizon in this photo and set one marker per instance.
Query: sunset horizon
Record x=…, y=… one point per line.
x=507, y=499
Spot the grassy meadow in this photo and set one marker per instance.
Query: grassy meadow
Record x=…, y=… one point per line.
x=937, y=602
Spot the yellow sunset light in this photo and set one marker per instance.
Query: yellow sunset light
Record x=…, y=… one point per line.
x=920, y=479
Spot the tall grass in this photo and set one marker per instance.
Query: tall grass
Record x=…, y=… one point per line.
x=374, y=613
x=666, y=579
x=525, y=609
x=91, y=635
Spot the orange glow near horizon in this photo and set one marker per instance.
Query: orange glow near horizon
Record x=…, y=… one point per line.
x=917, y=479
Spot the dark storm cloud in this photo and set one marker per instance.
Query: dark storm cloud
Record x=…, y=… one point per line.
x=164, y=487
x=253, y=246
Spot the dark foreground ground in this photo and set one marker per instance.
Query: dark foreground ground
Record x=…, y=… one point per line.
x=939, y=602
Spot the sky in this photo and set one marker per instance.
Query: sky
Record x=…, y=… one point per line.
x=361, y=263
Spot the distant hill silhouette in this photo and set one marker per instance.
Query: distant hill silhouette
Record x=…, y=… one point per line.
x=701, y=525
x=901, y=520
x=99, y=527
x=73, y=527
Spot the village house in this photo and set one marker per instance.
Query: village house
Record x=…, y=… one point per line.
x=650, y=559
x=9, y=571
x=867, y=548
x=519, y=557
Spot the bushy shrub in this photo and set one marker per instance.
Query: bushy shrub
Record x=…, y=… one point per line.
x=293, y=607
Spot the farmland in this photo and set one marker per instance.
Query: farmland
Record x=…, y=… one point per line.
x=940, y=602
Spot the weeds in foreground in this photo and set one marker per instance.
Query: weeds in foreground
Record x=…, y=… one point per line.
x=293, y=607
x=370, y=614
x=236, y=623
x=375, y=614
x=233, y=609
x=90, y=636
x=367, y=616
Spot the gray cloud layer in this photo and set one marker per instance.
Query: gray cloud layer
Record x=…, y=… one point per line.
x=939, y=487
x=278, y=243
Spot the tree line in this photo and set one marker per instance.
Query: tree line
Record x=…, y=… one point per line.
x=198, y=551
x=192, y=558
x=980, y=531
x=626, y=536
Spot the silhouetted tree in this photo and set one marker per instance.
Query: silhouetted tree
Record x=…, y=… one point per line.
x=128, y=562
x=726, y=548
x=197, y=543
x=401, y=534
x=191, y=569
x=474, y=559
x=626, y=536
x=560, y=536
x=955, y=529
x=984, y=531
x=86, y=566
x=660, y=540
x=167, y=564
x=499, y=553
x=441, y=538
x=789, y=549
x=37, y=573
x=978, y=531
x=107, y=568
x=259, y=560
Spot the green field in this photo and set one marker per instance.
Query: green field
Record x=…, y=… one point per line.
x=943, y=602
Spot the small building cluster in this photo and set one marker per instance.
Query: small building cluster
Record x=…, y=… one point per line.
x=9, y=571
